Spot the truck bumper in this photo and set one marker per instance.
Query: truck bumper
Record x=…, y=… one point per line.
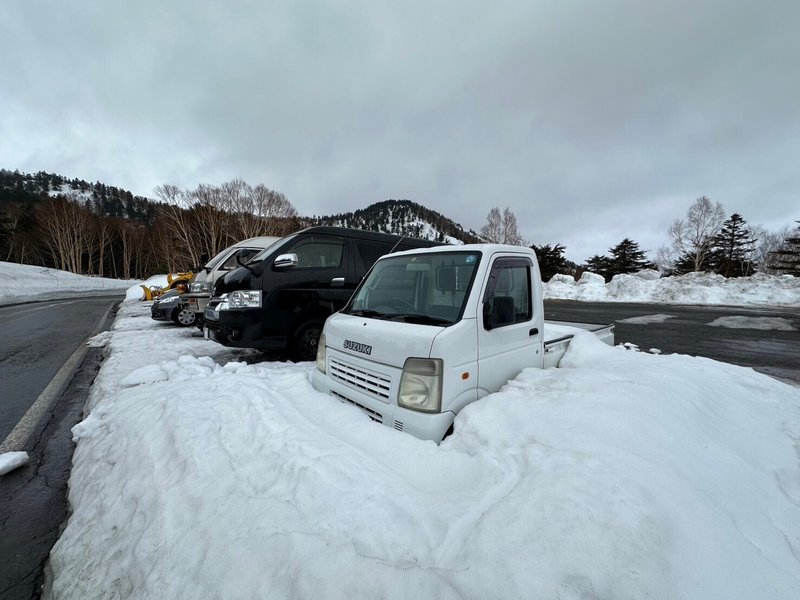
x=426, y=426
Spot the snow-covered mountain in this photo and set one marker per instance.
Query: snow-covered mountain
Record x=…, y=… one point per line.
x=403, y=217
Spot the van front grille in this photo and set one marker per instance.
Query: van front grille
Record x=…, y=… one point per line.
x=373, y=384
x=372, y=414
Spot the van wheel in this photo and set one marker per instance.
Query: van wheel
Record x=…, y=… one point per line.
x=184, y=317
x=303, y=346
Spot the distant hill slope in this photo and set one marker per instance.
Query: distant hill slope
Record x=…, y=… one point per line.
x=106, y=200
x=403, y=217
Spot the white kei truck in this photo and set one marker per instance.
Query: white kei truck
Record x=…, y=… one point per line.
x=429, y=331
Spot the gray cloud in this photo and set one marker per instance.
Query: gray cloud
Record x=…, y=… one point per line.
x=591, y=121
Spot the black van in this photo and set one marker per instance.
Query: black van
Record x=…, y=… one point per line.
x=280, y=299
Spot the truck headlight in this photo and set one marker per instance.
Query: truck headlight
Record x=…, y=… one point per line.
x=245, y=299
x=200, y=287
x=321, y=353
x=421, y=385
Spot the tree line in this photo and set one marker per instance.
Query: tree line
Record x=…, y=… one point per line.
x=703, y=241
x=96, y=229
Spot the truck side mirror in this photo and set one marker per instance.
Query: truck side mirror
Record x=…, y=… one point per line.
x=285, y=260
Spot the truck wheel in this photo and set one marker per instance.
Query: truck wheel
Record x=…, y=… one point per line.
x=184, y=317
x=303, y=346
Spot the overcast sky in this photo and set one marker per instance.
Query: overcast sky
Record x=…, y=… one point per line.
x=592, y=121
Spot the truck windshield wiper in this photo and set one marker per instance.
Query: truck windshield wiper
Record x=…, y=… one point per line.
x=420, y=319
x=366, y=312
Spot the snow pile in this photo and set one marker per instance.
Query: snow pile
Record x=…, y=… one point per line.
x=21, y=283
x=621, y=475
x=692, y=288
x=11, y=460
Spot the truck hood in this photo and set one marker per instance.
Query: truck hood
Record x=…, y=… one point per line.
x=386, y=342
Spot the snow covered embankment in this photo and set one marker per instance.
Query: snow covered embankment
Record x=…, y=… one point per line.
x=24, y=283
x=621, y=475
x=693, y=288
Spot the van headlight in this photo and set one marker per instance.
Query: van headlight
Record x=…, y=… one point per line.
x=421, y=385
x=321, y=353
x=245, y=299
x=200, y=287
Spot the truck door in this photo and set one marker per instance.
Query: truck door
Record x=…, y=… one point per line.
x=508, y=337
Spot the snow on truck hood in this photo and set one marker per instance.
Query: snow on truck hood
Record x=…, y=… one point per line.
x=381, y=341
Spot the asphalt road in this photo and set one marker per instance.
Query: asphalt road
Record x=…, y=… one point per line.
x=687, y=331
x=36, y=341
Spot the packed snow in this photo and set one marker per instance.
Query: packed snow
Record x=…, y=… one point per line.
x=693, y=288
x=763, y=323
x=21, y=283
x=201, y=473
x=646, y=319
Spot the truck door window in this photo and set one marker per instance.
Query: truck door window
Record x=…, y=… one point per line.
x=508, y=298
x=316, y=255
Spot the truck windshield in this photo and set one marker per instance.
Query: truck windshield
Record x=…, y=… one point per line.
x=430, y=288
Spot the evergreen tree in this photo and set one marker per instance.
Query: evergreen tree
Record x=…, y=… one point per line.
x=627, y=258
x=788, y=257
x=601, y=265
x=551, y=260
x=731, y=248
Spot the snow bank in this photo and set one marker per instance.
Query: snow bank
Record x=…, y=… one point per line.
x=693, y=288
x=21, y=283
x=621, y=475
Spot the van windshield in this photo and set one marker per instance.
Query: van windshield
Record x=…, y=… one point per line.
x=430, y=289
x=268, y=250
x=212, y=264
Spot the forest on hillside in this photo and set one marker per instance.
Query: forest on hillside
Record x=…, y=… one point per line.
x=95, y=229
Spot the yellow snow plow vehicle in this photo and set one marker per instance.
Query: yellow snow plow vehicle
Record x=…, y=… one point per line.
x=175, y=281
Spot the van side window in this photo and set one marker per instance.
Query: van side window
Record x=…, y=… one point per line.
x=508, y=298
x=372, y=251
x=319, y=254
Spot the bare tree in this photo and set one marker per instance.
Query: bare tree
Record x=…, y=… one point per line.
x=501, y=229
x=66, y=227
x=183, y=244
x=691, y=237
x=766, y=253
x=665, y=259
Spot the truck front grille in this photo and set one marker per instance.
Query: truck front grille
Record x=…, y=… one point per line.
x=373, y=384
x=372, y=414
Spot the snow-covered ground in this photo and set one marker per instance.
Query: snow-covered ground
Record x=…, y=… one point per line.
x=21, y=283
x=620, y=475
x=201, y=473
